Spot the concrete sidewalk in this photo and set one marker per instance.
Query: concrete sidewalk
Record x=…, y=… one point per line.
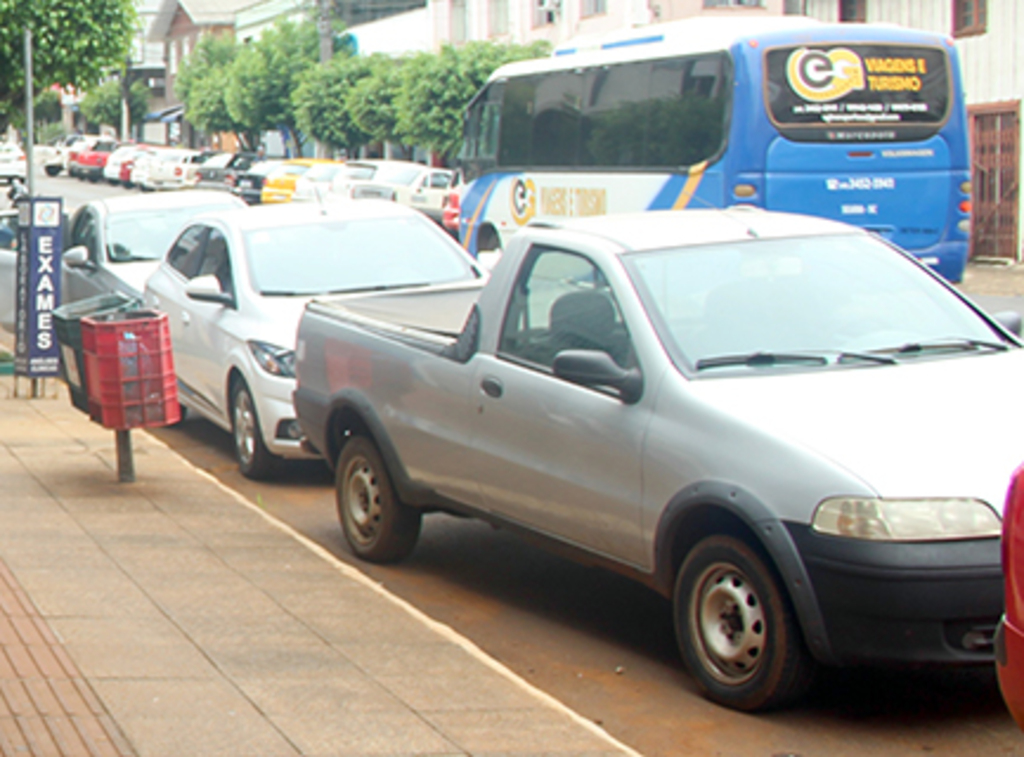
x=171, y=617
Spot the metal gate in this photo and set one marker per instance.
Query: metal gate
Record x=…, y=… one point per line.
x=995, y=140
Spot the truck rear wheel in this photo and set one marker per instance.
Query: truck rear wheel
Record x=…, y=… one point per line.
x=378, y=527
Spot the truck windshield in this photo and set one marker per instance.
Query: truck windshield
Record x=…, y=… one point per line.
x=803, y=302
x=342, y=256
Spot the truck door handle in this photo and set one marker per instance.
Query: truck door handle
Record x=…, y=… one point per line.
x=492, y=387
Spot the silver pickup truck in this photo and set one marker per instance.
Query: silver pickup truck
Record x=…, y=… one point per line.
x=759, y=415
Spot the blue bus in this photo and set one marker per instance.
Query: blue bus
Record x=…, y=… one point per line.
x=856, y=122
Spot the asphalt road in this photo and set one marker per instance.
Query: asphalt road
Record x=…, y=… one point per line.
x=604, y=645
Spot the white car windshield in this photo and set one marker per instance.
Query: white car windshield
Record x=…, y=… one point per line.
x=802, y=301
x=147, y=234
x=346, y=256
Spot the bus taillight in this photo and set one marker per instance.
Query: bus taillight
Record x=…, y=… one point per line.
x=965, y=206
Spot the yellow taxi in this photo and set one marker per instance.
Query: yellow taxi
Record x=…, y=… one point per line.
x=280, y=183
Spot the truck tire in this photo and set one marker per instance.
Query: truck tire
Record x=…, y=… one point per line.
x=377, y=526
x=735, y=629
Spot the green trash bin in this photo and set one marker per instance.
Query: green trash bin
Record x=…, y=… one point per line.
x=67, y=323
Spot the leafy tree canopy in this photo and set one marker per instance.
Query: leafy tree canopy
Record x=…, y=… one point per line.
x=371, y=101
x=201, y=86
x=73, y=42
x=102, y=104
x=264, y=75
x=322, y=102
x=436, y=88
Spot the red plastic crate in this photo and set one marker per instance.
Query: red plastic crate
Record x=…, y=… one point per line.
x=129, y=370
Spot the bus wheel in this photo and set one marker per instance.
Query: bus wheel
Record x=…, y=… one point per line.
x=736, y=632
x=487, y=240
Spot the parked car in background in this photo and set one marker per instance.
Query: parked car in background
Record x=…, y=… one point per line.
x=12, y=162
x=412, y=184
x=112, y=168
x=220, y=171
x=89, y=162
x=8, y=267
x=1010, y=633
x=757, y=414
x=316, y=182
x=279, y=184
x=249, y=183
x=234, y=285
x=164, y=169
x=127, y=171
x=51, y=156
x=113, y=245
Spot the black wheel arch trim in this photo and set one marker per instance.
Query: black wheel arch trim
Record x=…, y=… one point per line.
x=703, y=498
x=350, y=401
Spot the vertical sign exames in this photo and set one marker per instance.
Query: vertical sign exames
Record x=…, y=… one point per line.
x=37, y=354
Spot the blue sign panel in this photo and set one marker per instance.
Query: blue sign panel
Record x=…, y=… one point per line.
x=36, y=353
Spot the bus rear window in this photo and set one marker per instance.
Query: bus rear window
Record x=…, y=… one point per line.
x=857, y=93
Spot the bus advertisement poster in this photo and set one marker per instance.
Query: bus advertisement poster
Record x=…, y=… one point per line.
x=36, y=353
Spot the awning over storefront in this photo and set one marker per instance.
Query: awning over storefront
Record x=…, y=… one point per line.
x=174, y=113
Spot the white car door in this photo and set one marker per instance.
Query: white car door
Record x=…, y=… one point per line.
x=165, y=291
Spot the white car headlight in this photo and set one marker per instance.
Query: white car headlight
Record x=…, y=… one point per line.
x=277, y=361
x=906, y=519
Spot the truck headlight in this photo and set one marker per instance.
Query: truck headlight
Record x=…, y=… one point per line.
x=906, y=519
x=277, y=361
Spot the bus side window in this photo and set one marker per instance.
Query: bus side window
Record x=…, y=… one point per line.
x=517, y=122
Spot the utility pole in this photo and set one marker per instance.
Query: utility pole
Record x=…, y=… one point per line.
x=126, y=114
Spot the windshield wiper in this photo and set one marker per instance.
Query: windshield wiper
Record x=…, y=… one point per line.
x=379, y=288
x=760, y=360
x=946, y=345
x=846, y=357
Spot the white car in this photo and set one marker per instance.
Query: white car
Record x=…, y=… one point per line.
x=234, y=286
x=316, y=182
x=114, y=244
x=407, y=183
x=12, y=162
x=112, y=168
x=163, y=169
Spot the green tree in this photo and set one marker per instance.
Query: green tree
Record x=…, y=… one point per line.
x=200, y=85
x=102, y=104
x=47, y=106
x=322, y=102
x=436, y=88
x=264, y=75
x=371, y=100
x=74, y=42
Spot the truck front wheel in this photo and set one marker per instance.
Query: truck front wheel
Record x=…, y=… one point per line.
x=735, y=629
x=377, y=526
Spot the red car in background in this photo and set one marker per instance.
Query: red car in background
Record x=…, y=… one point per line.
x=1010, y=633
x=88, y=163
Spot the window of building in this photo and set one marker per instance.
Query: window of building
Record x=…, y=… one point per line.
x=497, y=12
x=734, y=3
x=969, y=17
x=594, y=7
x=544, y=12
x=853, y=10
